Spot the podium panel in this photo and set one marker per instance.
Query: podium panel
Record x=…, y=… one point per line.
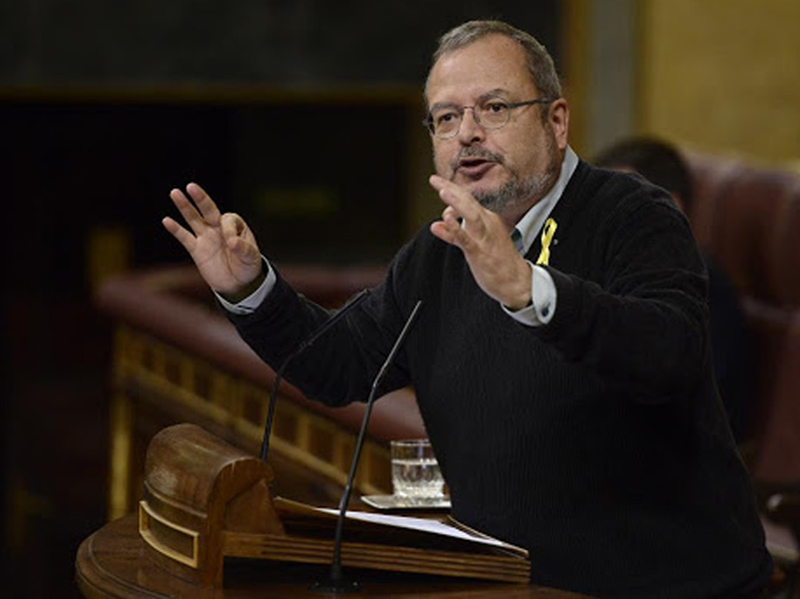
x=112, y=564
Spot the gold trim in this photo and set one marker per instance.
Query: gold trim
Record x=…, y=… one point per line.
x=145, y=514
x=120, y=456
x=215, y=395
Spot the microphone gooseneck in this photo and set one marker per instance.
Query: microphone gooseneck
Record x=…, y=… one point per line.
x=336, y=582
x=305, y=344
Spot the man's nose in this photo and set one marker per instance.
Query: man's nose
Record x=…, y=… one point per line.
x=471, y=130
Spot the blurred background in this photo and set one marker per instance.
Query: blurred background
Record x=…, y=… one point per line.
x=304, y=117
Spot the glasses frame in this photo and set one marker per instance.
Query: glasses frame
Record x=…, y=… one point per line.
x=427, y=122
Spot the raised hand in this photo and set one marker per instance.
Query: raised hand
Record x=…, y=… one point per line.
x=486, y=243
x=222, y=245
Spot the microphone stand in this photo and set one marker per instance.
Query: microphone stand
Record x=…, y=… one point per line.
x=336, y=581
x=305, y=344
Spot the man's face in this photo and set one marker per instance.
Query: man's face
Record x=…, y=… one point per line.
x=506, y=169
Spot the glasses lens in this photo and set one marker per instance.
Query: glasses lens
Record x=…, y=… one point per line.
x=445, y=122
x=493, y=114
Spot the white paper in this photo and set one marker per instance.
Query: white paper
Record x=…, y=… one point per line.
x=426, y=525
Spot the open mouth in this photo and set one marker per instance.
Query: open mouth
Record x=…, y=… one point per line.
x=474, y=167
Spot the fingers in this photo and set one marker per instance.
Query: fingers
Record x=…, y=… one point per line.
x=188, y=211
x=442, y=232
x=449, y=229
x=232, y=226
x=458, y=198
x=202, y=213
x=238, y=238
x=186, y=239
x=204, y=203
x=484, y=238
x=461, y=206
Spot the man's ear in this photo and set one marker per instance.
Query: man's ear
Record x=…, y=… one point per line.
x=559, y=121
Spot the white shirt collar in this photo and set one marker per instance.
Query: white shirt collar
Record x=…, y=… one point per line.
x=531, y=222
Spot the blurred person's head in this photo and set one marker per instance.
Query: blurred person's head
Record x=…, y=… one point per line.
x=497, y=120
x=654, y=159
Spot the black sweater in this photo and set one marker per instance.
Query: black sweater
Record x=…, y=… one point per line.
x=598, y=441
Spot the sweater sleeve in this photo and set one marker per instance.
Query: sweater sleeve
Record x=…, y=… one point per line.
x=340, y=366
x=642, y=324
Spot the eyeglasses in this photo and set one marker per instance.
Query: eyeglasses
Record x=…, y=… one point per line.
x=445, y=122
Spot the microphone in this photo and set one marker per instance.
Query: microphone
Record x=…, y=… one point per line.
x=305, y=344
x=336, y=582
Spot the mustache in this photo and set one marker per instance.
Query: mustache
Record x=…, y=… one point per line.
x=476, y=152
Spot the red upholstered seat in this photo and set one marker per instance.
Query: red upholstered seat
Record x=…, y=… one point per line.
x=748, y=218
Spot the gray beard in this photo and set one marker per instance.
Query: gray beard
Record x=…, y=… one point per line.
x=517, y=191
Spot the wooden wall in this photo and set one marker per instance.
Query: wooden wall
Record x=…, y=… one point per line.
x=723, y=75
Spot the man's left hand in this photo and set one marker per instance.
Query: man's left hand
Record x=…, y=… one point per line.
x=486, y=243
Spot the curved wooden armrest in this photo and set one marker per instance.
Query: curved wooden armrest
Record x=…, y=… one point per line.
x=174, y=305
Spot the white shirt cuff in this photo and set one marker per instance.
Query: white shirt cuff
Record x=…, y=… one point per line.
x=543, y=299
x=249, y=304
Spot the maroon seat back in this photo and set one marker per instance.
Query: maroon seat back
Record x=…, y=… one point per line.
x=749, y=219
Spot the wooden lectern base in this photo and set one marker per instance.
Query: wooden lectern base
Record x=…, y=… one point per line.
x=207, y=503
x=112, y=563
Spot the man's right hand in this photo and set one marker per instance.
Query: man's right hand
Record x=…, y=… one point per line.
x=222, y=245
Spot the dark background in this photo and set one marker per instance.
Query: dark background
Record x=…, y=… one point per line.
x=295, y=114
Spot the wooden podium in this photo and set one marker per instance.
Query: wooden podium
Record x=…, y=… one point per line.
x=207, y=511
x=205, y=501
x=111, y=564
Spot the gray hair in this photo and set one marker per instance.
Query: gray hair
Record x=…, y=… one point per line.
x=539, y=62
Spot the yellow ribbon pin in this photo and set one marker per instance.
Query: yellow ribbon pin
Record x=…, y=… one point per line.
x=548, y=232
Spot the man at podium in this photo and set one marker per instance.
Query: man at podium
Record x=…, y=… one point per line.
x=561, y=359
